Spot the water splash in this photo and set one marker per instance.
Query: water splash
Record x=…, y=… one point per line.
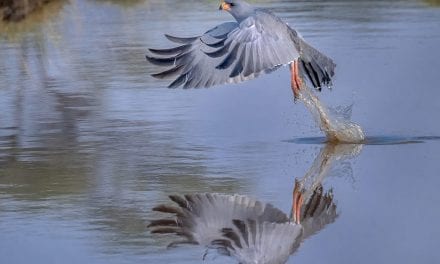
x=335, y=123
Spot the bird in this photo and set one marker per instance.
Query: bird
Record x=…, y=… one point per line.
x=242, y=227
x=257, y=42
x=253, y=231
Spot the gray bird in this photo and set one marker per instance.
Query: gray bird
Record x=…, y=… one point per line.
x=257, y=42
x=244, y=228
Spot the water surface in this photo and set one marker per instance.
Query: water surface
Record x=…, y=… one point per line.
x=90, y=143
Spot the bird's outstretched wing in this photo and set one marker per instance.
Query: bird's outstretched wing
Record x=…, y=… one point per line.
x=229, y=53
x=253, y=241
x=200, y=218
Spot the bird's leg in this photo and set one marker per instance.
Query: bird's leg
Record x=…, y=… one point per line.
x=297, y=202
x=295, y=78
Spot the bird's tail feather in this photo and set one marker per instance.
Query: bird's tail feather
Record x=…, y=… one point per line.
x=316, y=66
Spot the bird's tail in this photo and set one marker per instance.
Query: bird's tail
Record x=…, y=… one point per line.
x=318, y=211
x=318, y=68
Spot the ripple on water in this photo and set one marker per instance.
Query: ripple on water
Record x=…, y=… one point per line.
x=373, y=140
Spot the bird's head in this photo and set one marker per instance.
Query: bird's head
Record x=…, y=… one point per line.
x=239, y=9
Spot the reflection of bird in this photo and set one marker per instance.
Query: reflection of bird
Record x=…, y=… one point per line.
x=306, y=188
x=252, y=231
x=247, y=229
x=258, y=42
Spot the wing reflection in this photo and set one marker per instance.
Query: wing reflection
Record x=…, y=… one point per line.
x=250, y=230
x=235, y=225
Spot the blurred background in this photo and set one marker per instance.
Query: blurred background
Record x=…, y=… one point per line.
x=89, y=142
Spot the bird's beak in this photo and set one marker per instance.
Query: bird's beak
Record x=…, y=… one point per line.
x=224, y=6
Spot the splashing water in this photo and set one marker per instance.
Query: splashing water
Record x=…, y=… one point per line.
x=335, y=124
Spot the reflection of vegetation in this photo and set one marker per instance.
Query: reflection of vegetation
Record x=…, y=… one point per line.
x=17, y=10
x=34, y=21
x=123, y=3
x=432, y=2
x=37, y=180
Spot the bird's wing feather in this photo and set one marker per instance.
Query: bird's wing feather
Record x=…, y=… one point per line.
x=228, y=53
x=253, y=241
x=201, y=217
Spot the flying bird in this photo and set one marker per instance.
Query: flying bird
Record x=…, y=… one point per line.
x=257, y=42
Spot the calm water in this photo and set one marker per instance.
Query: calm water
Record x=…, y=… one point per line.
x=89, y=143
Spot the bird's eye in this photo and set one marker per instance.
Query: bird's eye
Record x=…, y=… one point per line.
x=232, y=4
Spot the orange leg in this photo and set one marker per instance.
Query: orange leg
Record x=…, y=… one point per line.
x=297, y=202
x=295, y=78
x=298, y=207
